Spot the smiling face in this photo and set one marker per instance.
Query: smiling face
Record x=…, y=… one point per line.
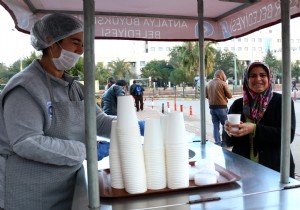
x=258, y=79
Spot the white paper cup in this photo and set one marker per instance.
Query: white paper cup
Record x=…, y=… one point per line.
x=205, y=164
x=113, y=136
x=126, y=112
x=163, y=125
x=234, y=119
x=116, y=174
x=175, y=128
x=205, y=178
x=153, y=136
x=177, y=163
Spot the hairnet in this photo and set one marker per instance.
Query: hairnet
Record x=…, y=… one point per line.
x=53, y=28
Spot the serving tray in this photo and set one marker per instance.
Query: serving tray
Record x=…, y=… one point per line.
x=107, y=191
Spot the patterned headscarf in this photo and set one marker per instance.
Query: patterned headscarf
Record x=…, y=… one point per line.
x=255, y=104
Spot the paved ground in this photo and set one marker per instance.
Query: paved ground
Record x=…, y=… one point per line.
x=192, y=123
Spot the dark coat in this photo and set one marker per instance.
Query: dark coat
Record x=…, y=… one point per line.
x=109, y=99
x=267, y=140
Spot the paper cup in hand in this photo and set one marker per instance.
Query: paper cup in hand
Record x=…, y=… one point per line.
x=234, y=119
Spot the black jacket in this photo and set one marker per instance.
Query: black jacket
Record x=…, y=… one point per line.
x=267, y=140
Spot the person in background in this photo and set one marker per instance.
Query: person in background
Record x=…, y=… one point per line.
x=110, y=81
x=258, y=137
x=138, y=92
x=294, y=85
x=132, y=87
x=42, y=125
x=218, y=93
x=109, y=98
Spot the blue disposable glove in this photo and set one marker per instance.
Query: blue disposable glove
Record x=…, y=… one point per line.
x=142, y=127
x=103, y=149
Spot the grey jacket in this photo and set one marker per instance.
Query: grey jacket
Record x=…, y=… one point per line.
x=109, y=99
x=26, y=126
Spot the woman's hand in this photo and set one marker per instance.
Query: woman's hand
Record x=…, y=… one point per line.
x=238, y=130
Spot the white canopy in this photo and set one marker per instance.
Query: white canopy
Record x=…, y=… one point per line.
x=166, y=20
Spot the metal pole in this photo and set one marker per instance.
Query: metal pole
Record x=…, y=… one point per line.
x=89, y=102
x=235, y=77
x=202, y=71
x=286, y=93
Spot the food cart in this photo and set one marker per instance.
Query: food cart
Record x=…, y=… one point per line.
x=258, y=186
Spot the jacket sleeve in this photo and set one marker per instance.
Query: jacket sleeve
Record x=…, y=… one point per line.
x=268, y=132
x=103, y=123
x=26, y=135
x=227, y=91
x=118, y=90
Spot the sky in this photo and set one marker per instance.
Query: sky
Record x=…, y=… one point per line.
x=14, y=44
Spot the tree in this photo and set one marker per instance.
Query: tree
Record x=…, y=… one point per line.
x=295, y=67
x=186, y=57
x=28, y=60
x=102, y=74
x=274, y=64
x=121, y=69
x=3, y=72
x=209, y=58
x=178, y=76
x=8, y=72
x=190, y=58
x=159, y=71
x=78, y=69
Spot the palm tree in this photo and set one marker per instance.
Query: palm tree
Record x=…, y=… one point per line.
x=190, y=57
x=187, y=57
x=209, y=59
x=120, y=69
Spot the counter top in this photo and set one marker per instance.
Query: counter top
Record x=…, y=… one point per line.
x=257, y=183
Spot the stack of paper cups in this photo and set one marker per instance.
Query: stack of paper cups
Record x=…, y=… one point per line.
x=163, y=125
x=154, y=154
x=177, y=158
x=126, y=112
x=130, y=147
x=114, y=159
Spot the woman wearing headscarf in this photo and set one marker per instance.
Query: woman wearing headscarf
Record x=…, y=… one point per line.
x=258, y=137
x=42, y=132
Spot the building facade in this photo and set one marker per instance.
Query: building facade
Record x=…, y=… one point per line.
x=137, y=53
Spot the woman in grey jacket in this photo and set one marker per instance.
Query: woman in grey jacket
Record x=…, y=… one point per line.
x=42, y=144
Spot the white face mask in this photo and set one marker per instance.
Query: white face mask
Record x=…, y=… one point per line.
x=66, y=60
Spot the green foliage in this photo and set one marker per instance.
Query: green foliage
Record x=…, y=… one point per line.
x=295, y=67
x=274, y=64
x=225, y=61
x=3, y=73
x=121, y=69
x=8, y=72
x=178, y=76
x=102, y=74
x=186, y=57
x=78, y=69
x=209, y=58
x=159, y=71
